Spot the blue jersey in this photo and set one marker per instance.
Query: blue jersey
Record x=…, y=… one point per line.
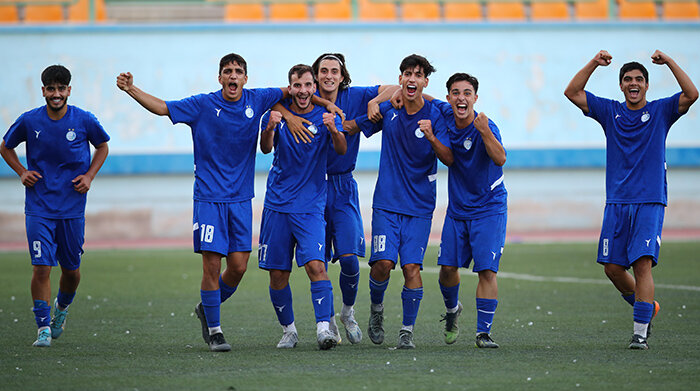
x=635, y=171
x=224, y=135
x=59, y=151
x=353, y=101
x=475, y=182
x=297, y=179
x=407, y=163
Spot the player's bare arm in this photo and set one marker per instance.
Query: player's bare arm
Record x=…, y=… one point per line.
x=689, y=93
x=339, y=143
x=575, y=90
x=385, y=93
x=493, y=148
x=82, y=183
x=443, y=153
x=295, y=124
x=27, y=177
x=267, y=137
x=351, y=127
x=125, y=82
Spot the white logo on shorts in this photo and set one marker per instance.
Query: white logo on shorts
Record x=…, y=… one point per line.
x=605, y=247
x=648, y=240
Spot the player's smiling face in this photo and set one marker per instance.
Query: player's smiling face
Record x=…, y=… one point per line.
x=462, y=99
x=301, y=88
x=412, y=82
x=634, y=87
x=329, y=76
x=56, y=96
x=232, y=79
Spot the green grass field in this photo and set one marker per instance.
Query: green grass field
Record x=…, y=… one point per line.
x=132, y=327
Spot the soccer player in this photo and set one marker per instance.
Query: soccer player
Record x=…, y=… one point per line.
x=635, y=177
x=475, y=223
x=224, y=127
x=292, y=222
x=404, y=196
x=58, y=175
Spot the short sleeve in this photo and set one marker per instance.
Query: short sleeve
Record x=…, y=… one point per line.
x=184, y=111
x=17, y=133
x=95, y=132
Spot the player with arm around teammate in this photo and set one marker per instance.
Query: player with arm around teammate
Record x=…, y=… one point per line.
x=58, y=175
x=475, y=223
x=635, y=177
x=414, y=137
x=292, y=222
x=224, y=126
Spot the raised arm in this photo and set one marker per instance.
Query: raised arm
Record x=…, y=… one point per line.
x=295, y=124
x=384, y=94
x=575, y=90
x=267, y=136
x=689, y=94
x=125, y=82
x=339, y=143
x=82, y=183
x=27, y=177
x=443, y=152
x=493, y=148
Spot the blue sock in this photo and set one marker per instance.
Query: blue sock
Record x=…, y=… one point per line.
x=211, y=302
x=349, y=278
x=282, y=302
x=629, y=298
x=450, y=295
x=643, y=312
x=64, y=299
x=322, y=298
x=411, y=302
x=377, y=289
x=226, y=291
x=42, y=313
x=485, y=310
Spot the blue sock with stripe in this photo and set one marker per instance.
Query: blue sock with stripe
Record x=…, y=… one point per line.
x=411, y=302
x=643, y=312
x=349, y=278
x=629, y=298
x=226, y=291
x=64, y=299
x=485, y=310
x=211, y=302
x=450, y=295
x=42, y=313
x=322, y=297
x=282, y=302
x=377, y=289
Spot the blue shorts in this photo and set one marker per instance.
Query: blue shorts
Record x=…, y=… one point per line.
x=344, y=230
x=481, y=239
x=630, y=231
x=397, y=236
x=284, y=236
x=56, y=241
x=222, y=227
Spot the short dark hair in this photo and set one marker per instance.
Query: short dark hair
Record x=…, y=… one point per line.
x=230, y=59
x=300, y=70
x=415, y=60
x=630, y=66
x=343, y=70
x=462, y=77
x=56, y=74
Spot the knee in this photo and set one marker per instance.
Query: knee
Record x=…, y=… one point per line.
x=278, y=279
x=613, y=271
x=487, y=276
x=316, y=270
x=382, y=268
x=411, y=272
x=448, y=273
x=41, y=272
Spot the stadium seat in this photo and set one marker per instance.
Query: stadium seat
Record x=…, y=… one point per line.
x=420, y=11
x=636, y=10
x=594, y=10
x=43, y=13
x=339, y=10
x=505, y=11
x=680, y=10
x=8, y=14
x=468, y=11
x=549, y=11
x=80, y=11
x=370, y=10
x=244, y=12
x=289, y=12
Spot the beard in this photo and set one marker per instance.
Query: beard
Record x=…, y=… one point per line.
x=59, y=108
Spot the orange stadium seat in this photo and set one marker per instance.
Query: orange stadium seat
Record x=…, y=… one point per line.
x=636, y=9
x=8, y=14
x=420, y=11
x=505, y=11
x=244, y=12
x=340, y=10
x=457, y=11
x=80, y=11
x=289, y=12
x=595, y=10
x=43, y=13
x=549, y=11
x=678, y=10
x=370, y=10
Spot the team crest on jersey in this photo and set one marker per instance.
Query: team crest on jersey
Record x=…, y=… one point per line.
x=249, y=112
x=419, y=133
x=468, y=143
x=70, y=136
x=313, y=129
x=645, y=117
